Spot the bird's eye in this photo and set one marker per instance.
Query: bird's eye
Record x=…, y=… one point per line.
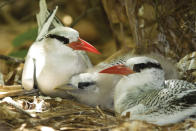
x=64, y=40
x=83, y=85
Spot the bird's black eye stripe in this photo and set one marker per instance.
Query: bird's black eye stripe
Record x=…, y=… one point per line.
x=60, y=38
x=141, y=66
x=82, y=85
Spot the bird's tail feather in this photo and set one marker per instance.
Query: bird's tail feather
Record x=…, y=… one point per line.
x=43, y=15
x=46, y=26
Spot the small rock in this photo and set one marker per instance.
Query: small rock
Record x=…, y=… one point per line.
x=58, y=99
x=45, y=97
x=187, y=67
x=1, y=79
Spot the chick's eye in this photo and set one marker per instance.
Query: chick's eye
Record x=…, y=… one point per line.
x=64, y=40
x=83, y=85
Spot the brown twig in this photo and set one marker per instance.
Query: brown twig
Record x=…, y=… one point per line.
x=83, y=15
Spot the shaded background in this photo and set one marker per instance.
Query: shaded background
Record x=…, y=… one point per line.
x=167, y=27
x=18, y=24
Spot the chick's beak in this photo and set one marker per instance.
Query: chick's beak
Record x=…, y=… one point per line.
x=83, y=45
x=65, y=87
x=118, y=69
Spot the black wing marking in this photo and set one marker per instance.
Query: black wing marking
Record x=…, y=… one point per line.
x=34, y=75
x=187, y=100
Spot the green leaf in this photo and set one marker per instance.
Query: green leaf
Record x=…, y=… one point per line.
x=19, y=53
x=29, y=35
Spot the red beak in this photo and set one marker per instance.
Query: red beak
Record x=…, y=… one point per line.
x=83, y=45
x=118, y=69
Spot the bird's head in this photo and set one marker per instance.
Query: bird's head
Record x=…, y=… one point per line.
x=83, y=87
x=64, y=35
x=134, y=65
x=70, y=37
x=90, y=88
x=84, y=82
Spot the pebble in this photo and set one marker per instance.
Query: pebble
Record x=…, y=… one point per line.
x=187, y=66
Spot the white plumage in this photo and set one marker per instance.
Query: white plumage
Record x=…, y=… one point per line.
x=99, y=88
x=50, y=62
